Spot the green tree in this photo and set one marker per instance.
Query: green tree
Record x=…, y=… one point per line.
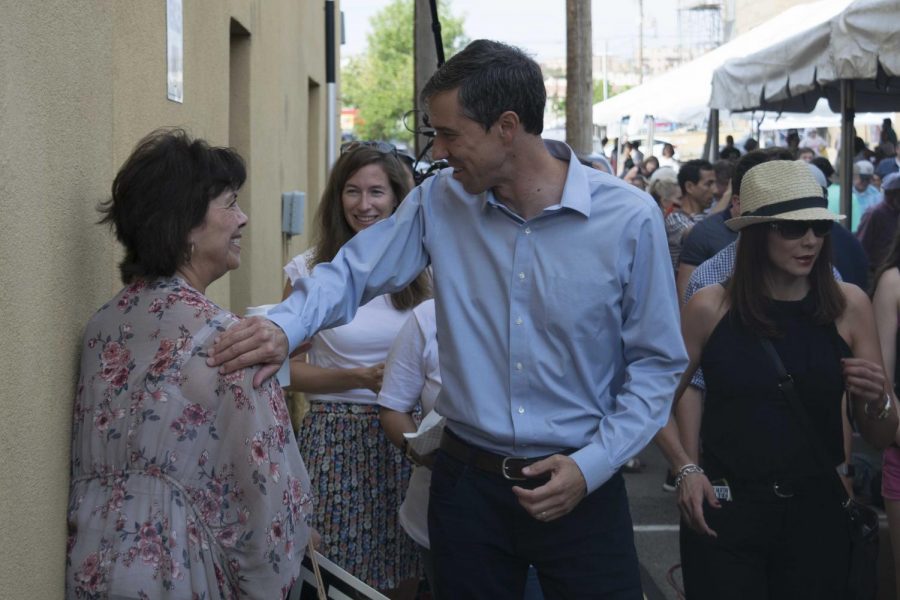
x=614, y=90
x=380, y=82
x=558, y=105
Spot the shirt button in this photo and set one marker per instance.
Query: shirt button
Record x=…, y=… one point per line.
x=519, y=321
x=528, y=230
x=518, y=366
x=522, y=275
x=521, y=410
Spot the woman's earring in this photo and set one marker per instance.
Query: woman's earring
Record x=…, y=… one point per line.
x=190, y=254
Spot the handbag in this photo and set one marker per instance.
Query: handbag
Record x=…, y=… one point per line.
x=862, y=578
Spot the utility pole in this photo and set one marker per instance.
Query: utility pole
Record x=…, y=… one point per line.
x=640, y=59
x=425, y=60
x=579, y=83
x=605, y=71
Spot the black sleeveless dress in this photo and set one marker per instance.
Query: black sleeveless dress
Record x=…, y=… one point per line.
x=748, y=429
x=770, y=546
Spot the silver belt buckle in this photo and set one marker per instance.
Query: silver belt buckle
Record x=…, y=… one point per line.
x=505, y=468
x=780, y=493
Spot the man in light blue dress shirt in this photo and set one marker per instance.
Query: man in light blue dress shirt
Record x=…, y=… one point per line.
x=559, y=336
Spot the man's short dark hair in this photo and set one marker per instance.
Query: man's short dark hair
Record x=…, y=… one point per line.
x=724, y=170
x=690, y=171
x=824, y=165
x=160, y=194
x=756, y=157
x=493, y=78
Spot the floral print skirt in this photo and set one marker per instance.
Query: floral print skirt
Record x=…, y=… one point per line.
x=359, y=480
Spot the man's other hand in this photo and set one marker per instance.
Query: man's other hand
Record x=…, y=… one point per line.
x=558, y=496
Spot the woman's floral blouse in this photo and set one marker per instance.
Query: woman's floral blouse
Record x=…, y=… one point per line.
x=185, y=483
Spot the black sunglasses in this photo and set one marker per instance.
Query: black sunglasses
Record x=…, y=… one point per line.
x=794, y=230
x=383, y=147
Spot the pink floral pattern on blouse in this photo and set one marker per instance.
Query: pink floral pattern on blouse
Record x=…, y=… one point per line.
x=185, y=483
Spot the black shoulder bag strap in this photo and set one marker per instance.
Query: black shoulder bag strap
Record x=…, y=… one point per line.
x=786, y=385
x=862, y=576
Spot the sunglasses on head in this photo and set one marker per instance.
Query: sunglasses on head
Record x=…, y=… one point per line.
x=794, y=230
x=383, y=147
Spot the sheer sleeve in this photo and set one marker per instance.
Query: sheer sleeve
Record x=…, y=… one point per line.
x=251, y=489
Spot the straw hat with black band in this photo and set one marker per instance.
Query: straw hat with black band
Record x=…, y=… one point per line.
x=781, y=190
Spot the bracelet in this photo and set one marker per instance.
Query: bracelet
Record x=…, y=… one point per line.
x=882, y=414
x=846, y=469
x=686, y=470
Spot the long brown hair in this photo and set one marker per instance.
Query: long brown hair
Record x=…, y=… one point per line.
x=890, y=261
x=748, y=289
x=334, y=231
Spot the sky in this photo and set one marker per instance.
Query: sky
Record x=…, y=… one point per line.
x=537, y=26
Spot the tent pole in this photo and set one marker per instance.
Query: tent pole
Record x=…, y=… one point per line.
x=711, y=147
x=848, y=105
x=714, y=142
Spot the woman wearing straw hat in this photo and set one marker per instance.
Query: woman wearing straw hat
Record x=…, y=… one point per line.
x=764, y=509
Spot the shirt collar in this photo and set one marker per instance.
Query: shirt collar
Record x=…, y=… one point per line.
x=576, y=193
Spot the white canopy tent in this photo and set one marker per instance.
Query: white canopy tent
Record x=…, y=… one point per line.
x=852, y=59
x=682, y=94
x=861, y=43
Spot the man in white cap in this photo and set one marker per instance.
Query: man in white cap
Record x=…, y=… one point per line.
x=865, y=194
x=812, y=141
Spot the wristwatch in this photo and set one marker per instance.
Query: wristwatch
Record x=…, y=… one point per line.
x=883, y=412
x=407, y=452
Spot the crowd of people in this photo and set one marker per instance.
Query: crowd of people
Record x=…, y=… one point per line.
x=552, y=318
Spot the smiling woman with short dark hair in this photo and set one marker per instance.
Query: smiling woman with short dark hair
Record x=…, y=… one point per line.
x=185, y=482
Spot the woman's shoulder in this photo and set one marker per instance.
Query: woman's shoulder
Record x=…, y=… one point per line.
x=889, y=280
x=299, y=266
x=854, y=295
x=858, y=307
x=162, y=301
x=709, y=299
x=706, y=308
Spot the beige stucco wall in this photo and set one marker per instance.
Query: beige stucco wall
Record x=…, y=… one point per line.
x=80, y=83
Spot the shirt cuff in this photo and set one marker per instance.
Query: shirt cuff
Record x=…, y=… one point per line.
x=593, y=460
x=283, y=320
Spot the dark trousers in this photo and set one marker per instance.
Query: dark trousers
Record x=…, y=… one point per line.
x=769, y=550
x=482, y=540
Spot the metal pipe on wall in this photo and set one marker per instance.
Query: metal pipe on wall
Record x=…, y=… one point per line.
x=331, y=83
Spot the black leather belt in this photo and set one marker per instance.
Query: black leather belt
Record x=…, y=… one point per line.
x=509, y=467
x=763, y=489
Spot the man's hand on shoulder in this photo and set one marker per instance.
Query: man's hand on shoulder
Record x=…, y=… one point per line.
x=249, y=342
x=558, y=496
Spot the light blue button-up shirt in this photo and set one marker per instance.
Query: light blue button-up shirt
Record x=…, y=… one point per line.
x=557, y=332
